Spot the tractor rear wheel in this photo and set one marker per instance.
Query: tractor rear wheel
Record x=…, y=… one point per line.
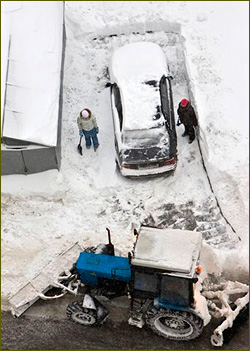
x=81, y=315
x=174, y=325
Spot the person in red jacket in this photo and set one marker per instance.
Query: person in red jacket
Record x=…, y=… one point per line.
x=188, y=118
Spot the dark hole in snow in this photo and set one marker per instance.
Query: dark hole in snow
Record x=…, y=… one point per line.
x=158, y=113
x=53, y=291
x=154, y=83
x=157, y=116
x=106, y=73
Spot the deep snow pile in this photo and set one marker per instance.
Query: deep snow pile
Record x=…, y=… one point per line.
x=43, y=214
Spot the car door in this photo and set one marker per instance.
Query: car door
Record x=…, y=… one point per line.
x=168, y=112
x=117, y=115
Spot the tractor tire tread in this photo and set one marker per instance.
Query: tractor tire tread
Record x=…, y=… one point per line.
x=75, y=307
x=153, y=314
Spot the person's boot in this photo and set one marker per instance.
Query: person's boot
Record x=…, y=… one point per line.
x=96, y=147
x=88, y=146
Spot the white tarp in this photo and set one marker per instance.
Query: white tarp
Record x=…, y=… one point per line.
x=34, y=32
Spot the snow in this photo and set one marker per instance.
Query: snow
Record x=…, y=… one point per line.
x=138, y=58
x=201, y=305
x=131, y=67
x=34, y=66
x=174, y=250
x=207, y=42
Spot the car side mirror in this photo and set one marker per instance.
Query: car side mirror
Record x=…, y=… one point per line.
x=108, y=85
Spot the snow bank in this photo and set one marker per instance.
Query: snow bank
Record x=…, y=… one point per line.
x=215, y=47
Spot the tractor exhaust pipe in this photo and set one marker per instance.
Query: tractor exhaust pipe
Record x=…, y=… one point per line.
x=109, y=235
x=110, y=246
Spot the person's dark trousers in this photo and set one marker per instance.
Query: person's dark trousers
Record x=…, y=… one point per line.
x=189, y=130
x=91, y=135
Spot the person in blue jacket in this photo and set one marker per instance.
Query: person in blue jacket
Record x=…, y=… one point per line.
x=88, y=128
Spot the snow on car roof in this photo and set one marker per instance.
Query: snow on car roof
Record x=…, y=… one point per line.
x=168, y=249
x=137, y=69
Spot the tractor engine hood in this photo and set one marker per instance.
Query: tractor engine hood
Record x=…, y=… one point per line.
x=91, y=266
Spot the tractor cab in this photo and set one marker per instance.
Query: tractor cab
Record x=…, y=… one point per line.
x=164, y=266
x=164, y=280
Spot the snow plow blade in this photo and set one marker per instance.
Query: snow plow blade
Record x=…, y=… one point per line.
x=218, y=302
x=44, y=281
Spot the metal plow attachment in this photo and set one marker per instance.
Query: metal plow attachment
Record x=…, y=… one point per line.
x=219, y=304
x=44, y=281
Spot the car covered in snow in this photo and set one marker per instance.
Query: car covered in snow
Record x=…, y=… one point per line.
x=142, y=108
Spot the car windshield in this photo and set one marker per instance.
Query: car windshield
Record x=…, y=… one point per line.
x=146, y=138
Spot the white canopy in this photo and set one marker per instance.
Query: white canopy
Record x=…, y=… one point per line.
x=31, y=35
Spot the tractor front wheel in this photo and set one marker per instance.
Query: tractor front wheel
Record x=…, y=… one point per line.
x=81, y=315
x=174, y=325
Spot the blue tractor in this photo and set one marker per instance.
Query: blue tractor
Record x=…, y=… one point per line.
x=160, y=276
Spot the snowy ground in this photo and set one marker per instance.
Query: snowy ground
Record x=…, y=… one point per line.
x=43, y=214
